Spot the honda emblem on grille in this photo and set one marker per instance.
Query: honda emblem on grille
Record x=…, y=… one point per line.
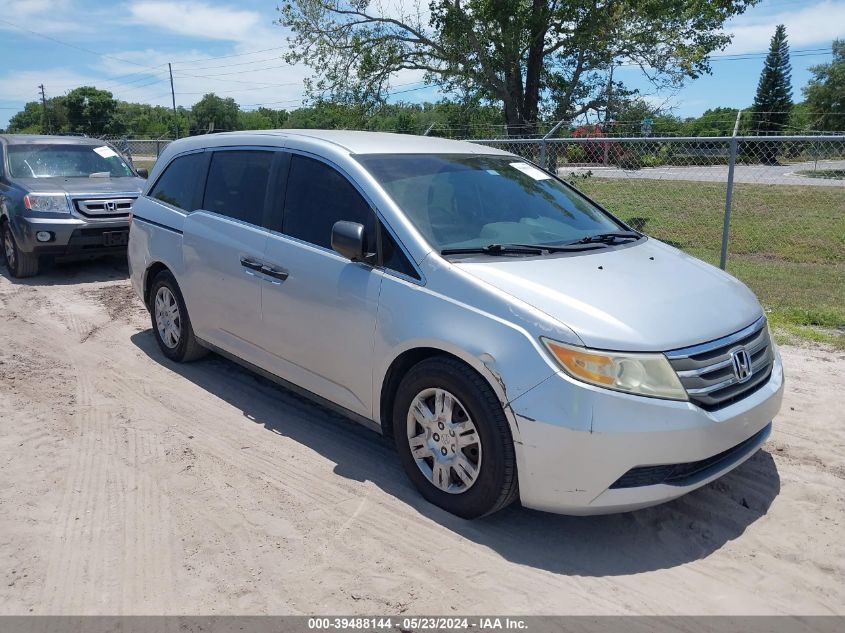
x=110, y=206
x=742, y=364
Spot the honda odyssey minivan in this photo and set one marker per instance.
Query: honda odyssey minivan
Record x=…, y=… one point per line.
x=515, y=339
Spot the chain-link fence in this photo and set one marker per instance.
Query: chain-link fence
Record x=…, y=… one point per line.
x=771, y=210
x=143, y=150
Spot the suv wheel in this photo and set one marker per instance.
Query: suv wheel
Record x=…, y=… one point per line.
x=171, y=323
x=20, y=264
x=453, y=438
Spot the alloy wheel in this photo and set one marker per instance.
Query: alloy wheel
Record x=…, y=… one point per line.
x=168, y=319
x=444, y=441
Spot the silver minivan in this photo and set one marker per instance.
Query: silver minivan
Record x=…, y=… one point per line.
x=514, y=338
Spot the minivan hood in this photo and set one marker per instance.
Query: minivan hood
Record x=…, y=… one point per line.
x=75, y=186
x=644, y=297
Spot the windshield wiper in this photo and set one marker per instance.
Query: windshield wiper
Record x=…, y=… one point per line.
x=608, y=238
x=524, y=249
x=497, y=249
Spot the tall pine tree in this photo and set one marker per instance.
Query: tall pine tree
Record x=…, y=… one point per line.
x=774, y=92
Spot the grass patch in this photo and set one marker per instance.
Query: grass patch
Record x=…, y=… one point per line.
x=787, y=243
x=144, y=164
x=835, y=174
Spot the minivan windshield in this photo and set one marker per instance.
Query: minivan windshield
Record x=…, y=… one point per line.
x=44, y=160
x=472, y=201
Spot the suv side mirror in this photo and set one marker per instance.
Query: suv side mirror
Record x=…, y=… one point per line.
x=143, y=172
x=350, y=240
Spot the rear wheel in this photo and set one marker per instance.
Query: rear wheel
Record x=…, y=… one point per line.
x=453, y=438
x=171, y=323
x=20, y=264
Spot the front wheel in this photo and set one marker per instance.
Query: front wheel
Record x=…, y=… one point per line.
x=453, y=438
x=20, y=264
x=171, y=323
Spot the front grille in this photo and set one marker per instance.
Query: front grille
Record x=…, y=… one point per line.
x=707, y=373
x=689, y=473
x=105, y=207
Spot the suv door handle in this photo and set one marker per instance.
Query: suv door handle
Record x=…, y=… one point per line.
x=251, y=264
x=276, y=273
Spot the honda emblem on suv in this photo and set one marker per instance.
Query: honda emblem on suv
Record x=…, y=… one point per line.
x=110, y=206
x=742, y=364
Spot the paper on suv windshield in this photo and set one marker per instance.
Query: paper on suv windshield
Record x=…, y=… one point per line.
x=530, y=170
x=105, y=152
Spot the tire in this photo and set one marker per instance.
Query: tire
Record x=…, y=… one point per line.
x=482, y=439
x=20, y=265
x=171, y=323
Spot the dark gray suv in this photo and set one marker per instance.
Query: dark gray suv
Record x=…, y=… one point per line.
x=63, y=197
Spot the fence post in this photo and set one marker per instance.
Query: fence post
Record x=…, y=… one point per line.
x=544, y=145
x=726, y=227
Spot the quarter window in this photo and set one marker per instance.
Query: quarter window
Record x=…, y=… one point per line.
x=317, y=197
x=237, y=184
x=178, y=184
x=392, y=256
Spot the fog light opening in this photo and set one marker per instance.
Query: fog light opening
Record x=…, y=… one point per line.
x=44, y=236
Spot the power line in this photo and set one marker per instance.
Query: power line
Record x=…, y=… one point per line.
x=263, y=50
x=77, y=47
x=255, y=61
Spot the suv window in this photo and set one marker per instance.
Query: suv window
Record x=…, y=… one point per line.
x=177, y=184
x=317, y=197
x=237, y=184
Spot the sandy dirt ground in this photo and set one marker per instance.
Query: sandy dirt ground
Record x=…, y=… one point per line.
x=132, y=485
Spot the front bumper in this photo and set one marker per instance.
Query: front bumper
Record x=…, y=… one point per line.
x=577, y=441
x=71, y=237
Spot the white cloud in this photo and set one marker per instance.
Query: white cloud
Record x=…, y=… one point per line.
x=198, y=19
x=37, y=15
x=814, y=23
x=21, y=86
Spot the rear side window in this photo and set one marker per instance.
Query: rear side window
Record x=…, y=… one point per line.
x=237, y=184
x=317, y=197
x=178, y=184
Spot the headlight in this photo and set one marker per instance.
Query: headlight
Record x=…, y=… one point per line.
x=641, y=374
x=47, y=202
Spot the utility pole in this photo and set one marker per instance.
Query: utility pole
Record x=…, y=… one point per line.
x=45, y=117
x=173, y=96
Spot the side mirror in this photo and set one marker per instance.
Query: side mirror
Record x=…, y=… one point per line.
x=350, y=240
x=143, y=172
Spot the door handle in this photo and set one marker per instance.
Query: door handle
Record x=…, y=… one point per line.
x=276, y=273
x=251, y=264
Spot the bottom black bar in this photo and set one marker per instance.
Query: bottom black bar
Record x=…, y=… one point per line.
x=421, y=624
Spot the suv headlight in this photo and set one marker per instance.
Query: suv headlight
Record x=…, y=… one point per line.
x=47, y=202
x=640, y=374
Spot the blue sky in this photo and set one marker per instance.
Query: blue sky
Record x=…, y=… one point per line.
x=124, y=46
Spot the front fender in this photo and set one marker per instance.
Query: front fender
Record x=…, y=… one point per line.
x=413, y=317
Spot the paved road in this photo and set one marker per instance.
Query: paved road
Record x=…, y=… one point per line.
x=756, y=174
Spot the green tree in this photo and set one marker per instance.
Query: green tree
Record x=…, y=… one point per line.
x=91, y=111
x=773, y=101
x=629, y=115
x=215, y=113
x=27, y=121
x=717, y=122
x=825, y=93
x=530, y=56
